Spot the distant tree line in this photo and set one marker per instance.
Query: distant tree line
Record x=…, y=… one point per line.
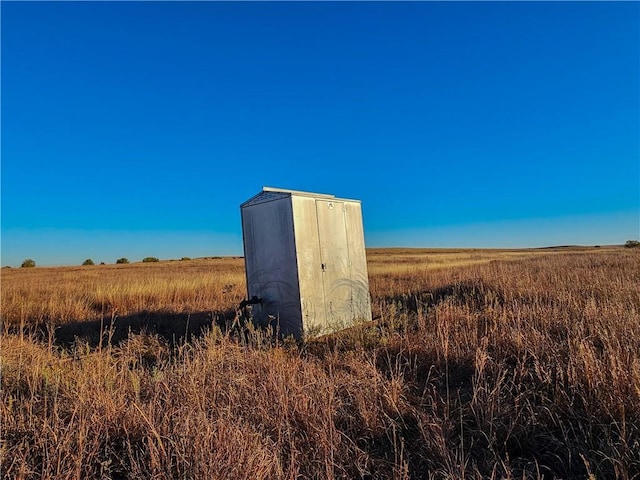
x=30, y=263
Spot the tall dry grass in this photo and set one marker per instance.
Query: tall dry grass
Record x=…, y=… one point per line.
x=523, y=367
x=59, y=295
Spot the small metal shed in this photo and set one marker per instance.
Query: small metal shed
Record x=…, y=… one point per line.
x=305, y=260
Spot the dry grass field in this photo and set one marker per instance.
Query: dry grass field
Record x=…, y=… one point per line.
x=480, y=364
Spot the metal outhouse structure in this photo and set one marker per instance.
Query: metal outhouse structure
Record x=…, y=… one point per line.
x=305, y=261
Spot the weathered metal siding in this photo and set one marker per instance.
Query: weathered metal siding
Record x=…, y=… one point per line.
x=335, y=266
x=358, y=259
x=309, y=263
x=270, y=262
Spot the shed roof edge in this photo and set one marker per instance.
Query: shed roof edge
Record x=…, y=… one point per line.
x=300, y=193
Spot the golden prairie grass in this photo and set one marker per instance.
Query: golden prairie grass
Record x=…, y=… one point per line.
x=62, y=294
x=57, y=295
x=513, y=365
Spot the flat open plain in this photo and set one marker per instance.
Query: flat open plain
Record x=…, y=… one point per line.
x=480, y=364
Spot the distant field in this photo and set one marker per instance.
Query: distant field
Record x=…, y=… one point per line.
x=58, y=295
x=480, y=364
x=62, y=294
x=414, y=260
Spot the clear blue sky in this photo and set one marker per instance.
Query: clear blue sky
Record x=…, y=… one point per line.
x=137, y=129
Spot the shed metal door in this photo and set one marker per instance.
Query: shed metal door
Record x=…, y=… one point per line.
x=336, y=268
